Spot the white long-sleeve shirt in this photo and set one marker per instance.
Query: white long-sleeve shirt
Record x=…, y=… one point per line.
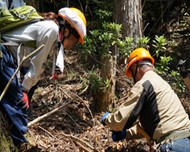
x=13, y=4
x=43, y=32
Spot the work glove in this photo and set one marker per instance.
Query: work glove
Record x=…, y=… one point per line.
x=118, y=135
x=54, y=77
x=24, y=102
x=104, y=117
x=56, y=74
x=182, y=68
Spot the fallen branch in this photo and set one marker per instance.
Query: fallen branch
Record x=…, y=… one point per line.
x=47, y=114
x=18, y=68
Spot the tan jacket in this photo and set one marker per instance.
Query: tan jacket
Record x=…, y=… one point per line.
x=155, y=104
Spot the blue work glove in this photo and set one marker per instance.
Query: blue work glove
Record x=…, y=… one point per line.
x=103, y=118
x=118, y=135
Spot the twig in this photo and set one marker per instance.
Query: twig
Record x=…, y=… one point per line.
x=18, y=68
x=80, y=140
x=46, y=131
x=82, y=146
x=51, y=112
x=47, y=114
x=85, y=105
x=88, y=110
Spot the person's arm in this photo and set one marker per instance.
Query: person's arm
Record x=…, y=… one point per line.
x=127, y=114
x=136, y=132
x=4, y=4
x=16, y=3
x=10, y=4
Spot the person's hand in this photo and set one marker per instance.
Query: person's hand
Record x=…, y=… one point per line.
x=104, y=117
x=54, y=77
x=24, y=102
x=118, y=135
x=57, y=74
x=182, y=68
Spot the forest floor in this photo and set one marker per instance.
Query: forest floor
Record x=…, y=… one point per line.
x=69, y=123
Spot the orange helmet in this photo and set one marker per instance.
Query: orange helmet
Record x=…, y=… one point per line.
x=137, y=55
x=77, y=20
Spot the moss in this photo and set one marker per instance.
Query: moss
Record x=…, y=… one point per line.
x=6, y=143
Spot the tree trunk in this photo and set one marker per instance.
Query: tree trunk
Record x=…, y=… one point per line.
x=105, y=98
x=129, y=14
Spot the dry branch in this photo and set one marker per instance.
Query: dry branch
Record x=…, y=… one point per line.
x=80, y=140
x=47, y=114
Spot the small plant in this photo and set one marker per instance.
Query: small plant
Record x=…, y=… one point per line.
x=84, y=81
x=179, y=85
x=159, y=44
x=126, y=46
x=97, y=83
x=143, y=42
x=163, y=65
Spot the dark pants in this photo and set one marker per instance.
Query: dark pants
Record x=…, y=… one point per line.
x=9, y=104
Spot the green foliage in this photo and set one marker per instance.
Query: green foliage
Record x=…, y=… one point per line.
x=103, y=15
x=163, y=65
x=97, y=83
x=177, y=79
x=126, y=46
x=84, y=81
x=159, y=43
x=143, y=42
x=100, y=41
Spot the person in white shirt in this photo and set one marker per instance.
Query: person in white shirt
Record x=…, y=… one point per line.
x=57, y=32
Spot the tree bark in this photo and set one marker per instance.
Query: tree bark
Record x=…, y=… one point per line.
x=106, y=97
x=129, y=14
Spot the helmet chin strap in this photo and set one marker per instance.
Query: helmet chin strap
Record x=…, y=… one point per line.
x=134, y=73
x=65, y=37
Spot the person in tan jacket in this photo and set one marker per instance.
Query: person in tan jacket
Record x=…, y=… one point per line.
x=154, y=104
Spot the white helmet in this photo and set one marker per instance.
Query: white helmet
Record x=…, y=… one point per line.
x=77, y=20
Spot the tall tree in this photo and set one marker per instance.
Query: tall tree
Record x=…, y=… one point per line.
x=129, y=14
